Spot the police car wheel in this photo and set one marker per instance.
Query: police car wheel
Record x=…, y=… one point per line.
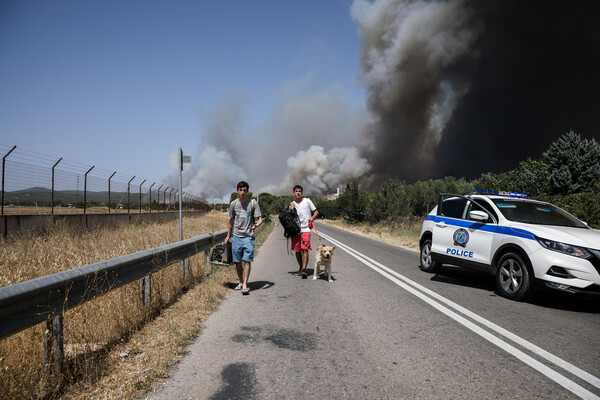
x=512, y=277
x=427, y=264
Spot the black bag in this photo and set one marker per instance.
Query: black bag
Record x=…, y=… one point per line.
x=221, y=254
x=290, y=223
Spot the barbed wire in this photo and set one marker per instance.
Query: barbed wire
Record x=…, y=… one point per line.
x=26, y=169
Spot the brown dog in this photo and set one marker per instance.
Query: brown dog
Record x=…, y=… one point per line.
x=324, y=257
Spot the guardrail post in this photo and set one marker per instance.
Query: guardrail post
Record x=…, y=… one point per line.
x=146, y=290
x=53, y=344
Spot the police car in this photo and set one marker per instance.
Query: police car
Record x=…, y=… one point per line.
x=524, y=243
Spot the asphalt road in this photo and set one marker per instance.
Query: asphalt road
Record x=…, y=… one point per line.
x=386, y=330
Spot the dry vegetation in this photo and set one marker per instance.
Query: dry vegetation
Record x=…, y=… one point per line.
x=114, y=348
x=405, y=234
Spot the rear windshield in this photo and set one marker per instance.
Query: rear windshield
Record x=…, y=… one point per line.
x=531, y=212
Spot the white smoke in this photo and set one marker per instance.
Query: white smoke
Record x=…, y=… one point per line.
x=214, y=175
x=308, y=139
x=320, y=172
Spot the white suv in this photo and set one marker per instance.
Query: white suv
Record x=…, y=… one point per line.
x=524, y=243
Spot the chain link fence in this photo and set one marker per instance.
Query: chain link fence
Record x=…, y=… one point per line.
x=35, y=183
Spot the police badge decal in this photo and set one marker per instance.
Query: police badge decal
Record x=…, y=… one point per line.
x=461, y=237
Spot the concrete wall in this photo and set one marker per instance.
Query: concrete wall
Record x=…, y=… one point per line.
x=15, y=225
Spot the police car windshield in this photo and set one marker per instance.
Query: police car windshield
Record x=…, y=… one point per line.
x=530, y=212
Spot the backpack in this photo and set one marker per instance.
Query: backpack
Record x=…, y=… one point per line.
x=290, y=223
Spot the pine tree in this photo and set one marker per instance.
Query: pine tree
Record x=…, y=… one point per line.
x=573, y=163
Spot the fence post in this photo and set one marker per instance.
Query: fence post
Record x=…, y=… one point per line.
x=3, y=168
x=85, y=194
x=165, y=199
x=109, y=191
x=5, y=233
x=128, y=192
x=171, y=198
x=52, y=196
x=150, y=198
x=158, y=200
x=141, y=197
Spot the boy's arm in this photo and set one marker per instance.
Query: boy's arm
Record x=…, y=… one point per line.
x=229, y=229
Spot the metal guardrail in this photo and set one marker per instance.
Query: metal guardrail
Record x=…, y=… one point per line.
x=29, y=303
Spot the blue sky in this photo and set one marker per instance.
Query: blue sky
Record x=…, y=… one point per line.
x=121, y=84
x=313, y=92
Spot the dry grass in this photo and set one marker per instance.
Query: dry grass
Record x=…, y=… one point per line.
x=405, y=234
x=96, y=333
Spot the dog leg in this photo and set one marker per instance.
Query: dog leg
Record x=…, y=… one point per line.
x=329, y=273
x=316, y=270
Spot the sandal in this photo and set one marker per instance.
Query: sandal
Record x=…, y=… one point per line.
x=245, y=291
x=238, y=287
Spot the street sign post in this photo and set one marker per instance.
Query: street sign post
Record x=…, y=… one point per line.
x=180, y=160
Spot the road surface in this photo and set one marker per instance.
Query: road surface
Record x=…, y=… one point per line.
x=386, y=330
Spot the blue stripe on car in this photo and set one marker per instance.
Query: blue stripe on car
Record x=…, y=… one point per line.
x=503, y=230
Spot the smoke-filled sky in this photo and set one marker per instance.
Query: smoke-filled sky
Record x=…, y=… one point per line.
x=309, y=92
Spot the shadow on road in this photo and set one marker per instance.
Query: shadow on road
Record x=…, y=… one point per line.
x=545, y=298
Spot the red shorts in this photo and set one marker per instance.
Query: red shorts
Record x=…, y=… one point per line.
x=301, y=242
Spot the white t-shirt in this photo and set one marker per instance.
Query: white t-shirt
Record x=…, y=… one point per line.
x=305, y=210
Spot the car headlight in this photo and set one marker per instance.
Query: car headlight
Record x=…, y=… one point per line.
x=564, y=248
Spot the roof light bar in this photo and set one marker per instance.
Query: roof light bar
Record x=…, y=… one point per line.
x=499, y=192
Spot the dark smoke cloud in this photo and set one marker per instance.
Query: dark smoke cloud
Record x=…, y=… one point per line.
x=456, y=87
x=466, y=87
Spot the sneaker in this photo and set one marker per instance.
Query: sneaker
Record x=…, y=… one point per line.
x=304, y=276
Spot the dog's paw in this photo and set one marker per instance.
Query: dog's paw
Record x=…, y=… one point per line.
x=314, y=278
x=331, y=280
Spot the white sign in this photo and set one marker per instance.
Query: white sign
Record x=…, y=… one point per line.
x=180, y=159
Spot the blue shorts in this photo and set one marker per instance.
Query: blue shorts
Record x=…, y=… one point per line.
x=242, y=248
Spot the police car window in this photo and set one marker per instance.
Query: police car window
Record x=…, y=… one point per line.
x=475, y=207
x=536, y=213
x=454, y=207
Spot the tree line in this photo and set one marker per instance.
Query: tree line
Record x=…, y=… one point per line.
x=568, y=176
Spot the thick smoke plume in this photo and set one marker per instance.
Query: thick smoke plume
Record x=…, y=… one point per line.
x=465, y=87
x=455, y=87
x=309, y=139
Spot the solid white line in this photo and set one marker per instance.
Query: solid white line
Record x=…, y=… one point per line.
x=509, y=335
x=550, y=373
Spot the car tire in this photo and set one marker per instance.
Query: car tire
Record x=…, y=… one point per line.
x=426, y=263
x=513, y=279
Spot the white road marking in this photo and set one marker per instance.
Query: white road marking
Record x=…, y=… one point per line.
x=404, y=282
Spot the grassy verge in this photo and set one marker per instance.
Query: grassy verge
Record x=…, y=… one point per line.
x=405, y=234
x=114, y=349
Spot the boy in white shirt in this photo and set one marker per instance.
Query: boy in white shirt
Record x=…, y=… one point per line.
x=306, y=212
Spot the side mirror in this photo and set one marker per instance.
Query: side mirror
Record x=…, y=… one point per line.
x=478, y=216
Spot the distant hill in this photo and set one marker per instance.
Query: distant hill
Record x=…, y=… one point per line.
x=42, y=196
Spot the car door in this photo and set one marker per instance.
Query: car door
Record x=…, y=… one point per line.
x=449, y=219
x=480, y=233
